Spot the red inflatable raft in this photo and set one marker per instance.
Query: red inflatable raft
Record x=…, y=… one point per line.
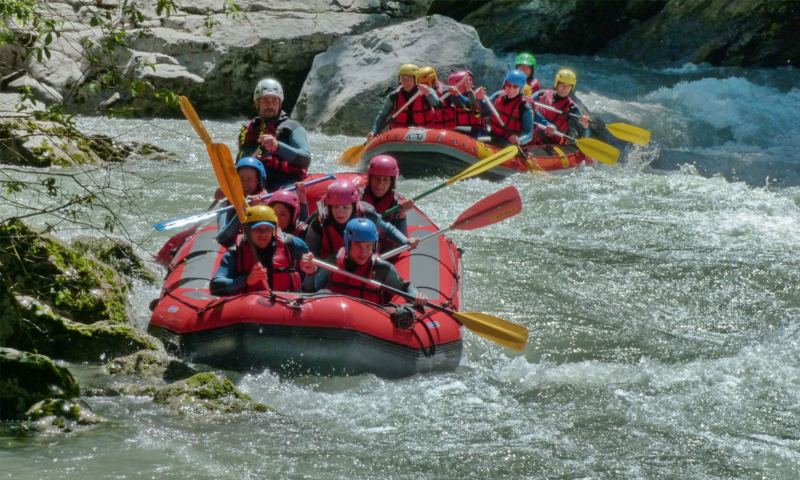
x=321, y=333
x=422, y=152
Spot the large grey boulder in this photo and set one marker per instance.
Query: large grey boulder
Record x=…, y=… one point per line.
x=347, y=84
x=217, y=67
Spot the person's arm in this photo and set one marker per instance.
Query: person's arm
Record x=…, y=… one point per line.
x=313, y=240
x=297, y=151
x=226, y=235
x=303, y=217
x=383, y=115
x=386, y=229
x=401, y=224
x=537, y=96
x=316, y=281
x=527, y=127
x=433, y=99
x=389, y=276
x=573, y=121
x=227, y=280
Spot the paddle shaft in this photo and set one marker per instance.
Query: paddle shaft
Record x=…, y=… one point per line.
x=556, y=133
x=494, y=112
x=199, y=217
x=375, y=283
x=403, y=248
x=418, y=197
x=553, y=109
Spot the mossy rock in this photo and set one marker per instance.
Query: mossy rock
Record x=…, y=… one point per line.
x=60, y=415
x=25, y=141
x=149, y=364
x=116, y=253
x=28, y=378
x=11, y=330
x=78, y=286
x=148, y=151
x=60, y=337
x=207, y=393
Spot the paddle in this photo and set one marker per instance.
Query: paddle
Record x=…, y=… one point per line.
x=230, y=180
x=492, y=328
x=165, y=254
x=489, y=162
x=495, y=208
x=352, y=155
x=623, y=131
x=199, y=217
x=602, y=152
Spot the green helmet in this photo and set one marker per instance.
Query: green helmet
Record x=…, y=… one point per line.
x=526, y=59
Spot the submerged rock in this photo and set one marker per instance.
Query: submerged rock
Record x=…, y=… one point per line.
x=347, y=84
x=207, y=393
x=151, y=364
x=28, y=378
x=60, y=415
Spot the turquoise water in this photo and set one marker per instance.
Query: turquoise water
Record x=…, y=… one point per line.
x=662, y=296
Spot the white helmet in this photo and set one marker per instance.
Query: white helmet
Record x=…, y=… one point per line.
x=268, y=86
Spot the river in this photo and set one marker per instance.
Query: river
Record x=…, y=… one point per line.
x=662, y=297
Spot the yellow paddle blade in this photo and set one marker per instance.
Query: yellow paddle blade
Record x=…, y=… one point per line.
x=602, y=152
x=229, y=181
x=489, y=162
x=352, y=155
x=191, y=115
x=629, y=133
x=215, y=162
x=502, y=332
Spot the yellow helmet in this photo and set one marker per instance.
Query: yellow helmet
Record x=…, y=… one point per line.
x=409, y=69
x=566, y=76
x=427, y=76
x=261, y=215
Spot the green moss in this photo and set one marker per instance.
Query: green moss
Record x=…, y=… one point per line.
x=29, y=378
x=43, y=267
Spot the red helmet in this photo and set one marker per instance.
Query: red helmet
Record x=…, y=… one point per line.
x=289, y=199
x=342, y=192
x=383, y=165
x=456, y=77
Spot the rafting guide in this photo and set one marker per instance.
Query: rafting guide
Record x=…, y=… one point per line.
x=277, y=141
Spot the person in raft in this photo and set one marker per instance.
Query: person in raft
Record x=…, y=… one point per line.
x=420, y=113
x=463, y=108
x=278, y=258
x=516, y=111
x=358, y=256
x=325, y=233
x=291, y=209
x=560, y=98
x=253, y=177
x=381, y=193
x=427, y=76
x=526, y=64
x=280, y=143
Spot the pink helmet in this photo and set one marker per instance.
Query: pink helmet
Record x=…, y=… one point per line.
x=289, y=199
x=383, y=165
x=342, y=192
x=456, y=77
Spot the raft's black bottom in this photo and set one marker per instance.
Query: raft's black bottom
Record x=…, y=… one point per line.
x=293, y=350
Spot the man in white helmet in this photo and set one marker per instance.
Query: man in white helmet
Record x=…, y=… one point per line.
x=280, y=143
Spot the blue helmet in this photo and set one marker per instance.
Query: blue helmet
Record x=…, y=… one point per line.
x=253, y=162
x=359, y=230
x=516, y=77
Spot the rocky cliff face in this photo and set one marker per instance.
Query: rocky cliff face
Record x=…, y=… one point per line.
x=217, y=67
x=759, y=33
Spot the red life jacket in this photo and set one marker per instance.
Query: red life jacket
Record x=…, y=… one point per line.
x=282, y=130
x=281, y=274
x=446, y=117
x=469, y=118
x=388, y=201
x=534, y=84
x=510, y=112
x=418, y=114
x=344, y=285
x=559, y=119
